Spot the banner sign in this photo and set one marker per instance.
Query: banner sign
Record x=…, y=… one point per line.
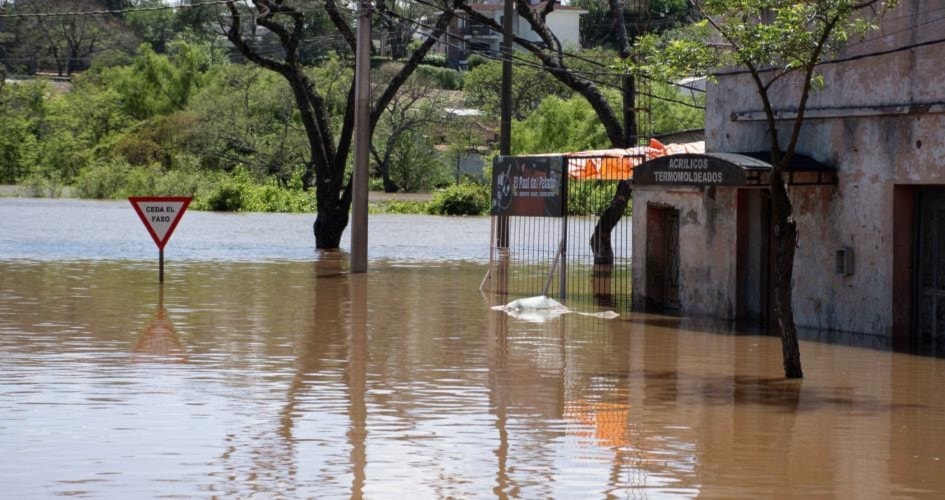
x=160, y=215
x=689, y=170
x=528, y=186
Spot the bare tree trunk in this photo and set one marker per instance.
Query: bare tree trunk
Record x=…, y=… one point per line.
x=601, y=244
x=332, y=217
x=786, y=235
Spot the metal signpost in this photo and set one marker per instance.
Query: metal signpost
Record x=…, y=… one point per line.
x=160, y=215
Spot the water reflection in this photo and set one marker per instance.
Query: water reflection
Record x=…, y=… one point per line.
x=159, y=341
x=305, y=381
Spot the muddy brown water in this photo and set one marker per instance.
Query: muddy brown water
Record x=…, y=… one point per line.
x=289, y=377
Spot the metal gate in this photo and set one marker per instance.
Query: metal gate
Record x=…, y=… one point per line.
x=930, y=273
x=572, y=257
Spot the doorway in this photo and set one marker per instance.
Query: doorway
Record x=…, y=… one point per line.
x=754, y=247
x=929, y=276
x=662, y=258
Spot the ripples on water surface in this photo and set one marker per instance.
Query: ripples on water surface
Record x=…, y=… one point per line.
x=292, y=378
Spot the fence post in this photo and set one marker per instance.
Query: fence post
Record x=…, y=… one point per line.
x=563, y=281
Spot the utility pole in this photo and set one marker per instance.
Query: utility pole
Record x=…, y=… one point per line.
x=362, y=140
x=505, y=127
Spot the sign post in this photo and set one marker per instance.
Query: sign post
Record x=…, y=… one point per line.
x=160, y=215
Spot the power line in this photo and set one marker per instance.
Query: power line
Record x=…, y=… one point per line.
x=518, y=61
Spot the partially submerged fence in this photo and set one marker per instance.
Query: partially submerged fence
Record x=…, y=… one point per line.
x=561, y=227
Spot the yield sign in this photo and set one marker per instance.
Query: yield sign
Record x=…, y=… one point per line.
x=160, y=215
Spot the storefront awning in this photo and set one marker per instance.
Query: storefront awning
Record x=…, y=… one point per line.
x=729, y=169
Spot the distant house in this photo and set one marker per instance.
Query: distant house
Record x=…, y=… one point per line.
x=467, y=37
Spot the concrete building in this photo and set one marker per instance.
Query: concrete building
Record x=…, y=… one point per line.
x=868, y=194
x=467, y=37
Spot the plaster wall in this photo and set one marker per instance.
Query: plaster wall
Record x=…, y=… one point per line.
x=706, y=246
x=881, y=121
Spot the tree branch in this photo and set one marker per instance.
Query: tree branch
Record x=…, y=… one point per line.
x=401, y=77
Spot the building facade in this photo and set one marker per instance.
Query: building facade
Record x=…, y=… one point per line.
x=468, y=37
x=868, y=195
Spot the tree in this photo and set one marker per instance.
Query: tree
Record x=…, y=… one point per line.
x=482, y=86
x=330, y=146
x=597, y=26
x=415, y=108
x=780, y=43
x=68, y=41
x=156, y=27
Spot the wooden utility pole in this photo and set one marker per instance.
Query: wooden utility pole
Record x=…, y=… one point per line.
x=362, y=140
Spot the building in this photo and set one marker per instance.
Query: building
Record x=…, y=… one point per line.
x=467, y=37
x=868, y=192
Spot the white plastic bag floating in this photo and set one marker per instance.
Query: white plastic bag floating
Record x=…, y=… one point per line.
x=541, y=308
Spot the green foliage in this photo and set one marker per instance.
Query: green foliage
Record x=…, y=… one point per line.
x=438, y=60
x=216, y=191
x=669, y=116
x=483, y=87
x=441, y=78
x=400, y=207
x=243, y=117
x=157, y=84
x=415, y=166
x=461, y=199
x=22, y=115
x=590, y=197
x=475, y=60
x=559, y=126
x=155, y=27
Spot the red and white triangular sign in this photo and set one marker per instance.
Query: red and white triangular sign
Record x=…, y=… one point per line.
x=160, y=214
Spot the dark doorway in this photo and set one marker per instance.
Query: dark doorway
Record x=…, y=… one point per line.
x=754, y=255
x=662, y=258
x=930, y=271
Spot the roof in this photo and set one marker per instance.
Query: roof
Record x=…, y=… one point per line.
x=728, y=169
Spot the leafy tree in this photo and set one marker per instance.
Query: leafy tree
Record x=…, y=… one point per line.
x=415, y=109
x=156, y=27
x=22, y=112
x=245, y=117
x=483, y=88
x=597, y=26
x=559, y=125
x=329, y=149
x=67, y=42
x=780, y=43
x=157, y=84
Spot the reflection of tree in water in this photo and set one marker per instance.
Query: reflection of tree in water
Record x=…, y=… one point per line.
x=264, y=459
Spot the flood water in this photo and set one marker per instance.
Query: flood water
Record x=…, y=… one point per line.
x=262, y=369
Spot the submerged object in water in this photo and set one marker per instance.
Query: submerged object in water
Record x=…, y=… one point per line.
x=541, y=308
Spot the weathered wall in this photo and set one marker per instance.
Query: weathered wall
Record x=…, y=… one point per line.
x=881, y=121
x=706, y=246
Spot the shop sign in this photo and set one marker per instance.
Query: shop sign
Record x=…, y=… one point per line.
x=689, y=170
x=528, y=186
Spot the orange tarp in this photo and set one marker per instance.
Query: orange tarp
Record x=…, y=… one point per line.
x=618, y=164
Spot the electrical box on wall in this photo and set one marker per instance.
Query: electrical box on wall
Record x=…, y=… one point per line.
x=843, y=262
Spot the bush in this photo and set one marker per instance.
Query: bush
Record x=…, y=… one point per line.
x=224, y=197
x=435, y=60
x=400, y=207
x=442, y=78
x=461, y=199
x=475, y=60
x=102, y=180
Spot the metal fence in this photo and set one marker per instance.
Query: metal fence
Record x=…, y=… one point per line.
x=526, y=262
